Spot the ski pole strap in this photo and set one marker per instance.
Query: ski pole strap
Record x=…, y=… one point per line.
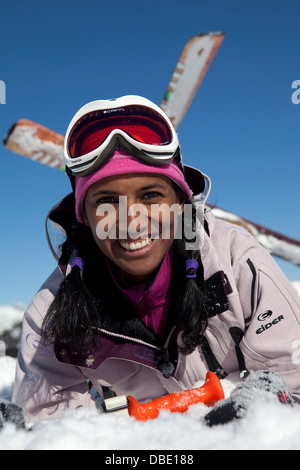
x=237, y=335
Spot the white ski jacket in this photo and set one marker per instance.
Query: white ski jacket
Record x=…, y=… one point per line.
x=254, y=324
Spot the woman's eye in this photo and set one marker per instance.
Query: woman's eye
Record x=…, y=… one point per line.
x=152, y=195
x=107, y=200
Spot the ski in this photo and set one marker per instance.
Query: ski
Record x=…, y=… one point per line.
x=36, y=142
x=189, y=72
x=275, y=243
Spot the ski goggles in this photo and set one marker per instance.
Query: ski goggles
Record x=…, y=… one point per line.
x=131, y=122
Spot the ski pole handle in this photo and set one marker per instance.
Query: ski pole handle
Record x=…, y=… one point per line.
x=209, y=394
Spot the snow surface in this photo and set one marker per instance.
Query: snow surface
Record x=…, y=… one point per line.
x=10, y=315
x=268, y=425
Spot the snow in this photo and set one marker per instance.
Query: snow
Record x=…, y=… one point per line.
x=10, y=315
x=268, y=425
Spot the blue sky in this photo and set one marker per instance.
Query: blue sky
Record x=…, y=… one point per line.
x=242, y=128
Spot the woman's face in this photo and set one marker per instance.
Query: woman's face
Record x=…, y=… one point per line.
x=133, y=220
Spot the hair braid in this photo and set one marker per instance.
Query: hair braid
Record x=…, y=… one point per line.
x=74, y=308
x=188, y=305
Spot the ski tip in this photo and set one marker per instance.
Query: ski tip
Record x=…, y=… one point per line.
x=219, y=34
x=19, y=122
x=212, y=33
x=9, y=132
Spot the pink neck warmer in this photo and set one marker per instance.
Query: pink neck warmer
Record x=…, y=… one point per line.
x=152, y=304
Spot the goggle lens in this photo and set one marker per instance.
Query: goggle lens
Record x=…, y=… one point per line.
x=139, y=122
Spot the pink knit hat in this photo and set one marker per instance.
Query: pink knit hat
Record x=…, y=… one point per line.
x=122, y=163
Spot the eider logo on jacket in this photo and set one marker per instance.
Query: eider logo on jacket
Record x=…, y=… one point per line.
x=265, y=316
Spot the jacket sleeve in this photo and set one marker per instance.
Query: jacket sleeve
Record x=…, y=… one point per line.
x=45, y=387
x=271, y=308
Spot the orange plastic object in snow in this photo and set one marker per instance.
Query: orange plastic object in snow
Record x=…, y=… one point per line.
x=209, y=394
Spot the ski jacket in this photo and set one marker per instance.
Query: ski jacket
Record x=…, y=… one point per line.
x=254, y=324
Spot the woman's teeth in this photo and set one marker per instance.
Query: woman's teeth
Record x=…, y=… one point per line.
x=133, y=246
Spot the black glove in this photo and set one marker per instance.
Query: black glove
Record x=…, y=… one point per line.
x=258, y=384
x=9, y=412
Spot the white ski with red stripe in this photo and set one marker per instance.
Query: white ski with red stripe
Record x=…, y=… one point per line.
x=36, y=142
x=189, y=72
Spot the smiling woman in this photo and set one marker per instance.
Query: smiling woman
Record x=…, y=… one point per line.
x=136, y=250
x=150, y=291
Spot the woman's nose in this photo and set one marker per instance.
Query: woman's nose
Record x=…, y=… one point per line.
x=133, y=219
